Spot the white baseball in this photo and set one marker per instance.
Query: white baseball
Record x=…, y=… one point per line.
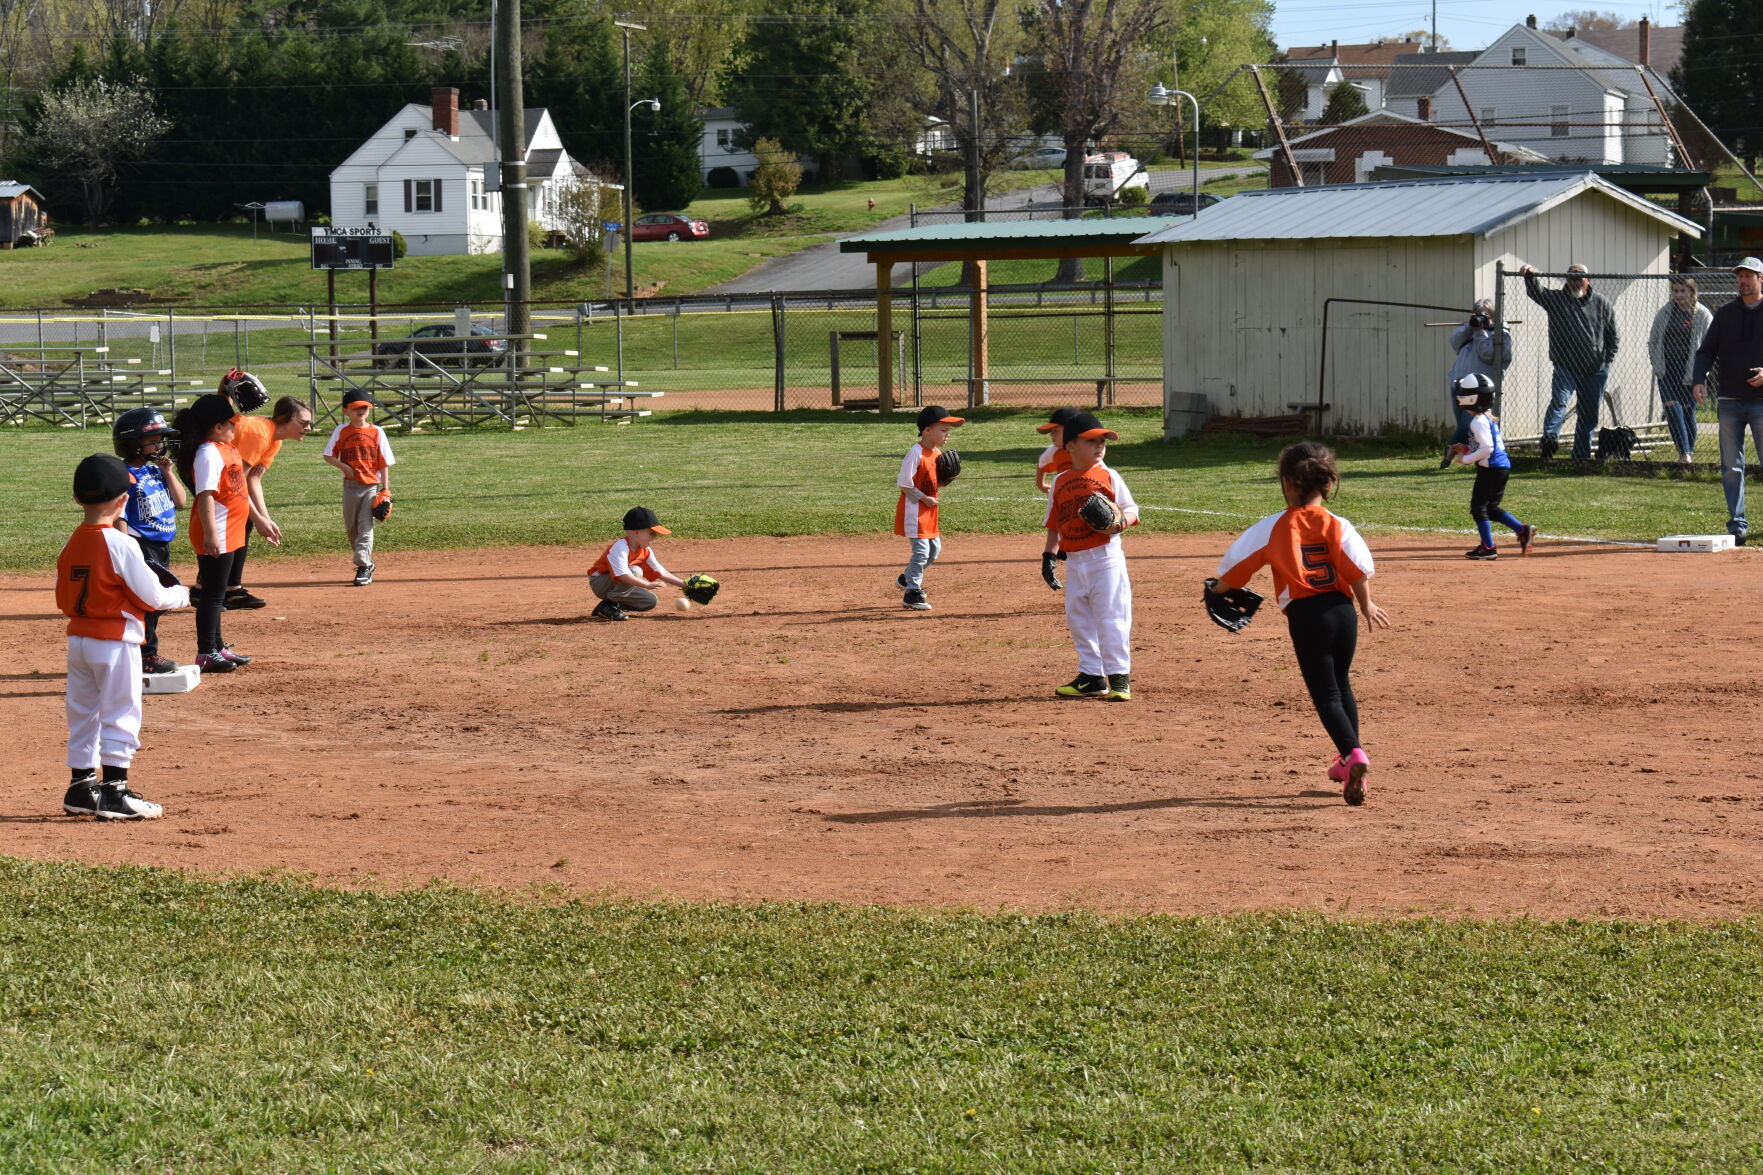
x=682, y=603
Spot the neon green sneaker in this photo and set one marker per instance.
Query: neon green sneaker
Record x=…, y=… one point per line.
x=1084, y=685
x=1119, y=687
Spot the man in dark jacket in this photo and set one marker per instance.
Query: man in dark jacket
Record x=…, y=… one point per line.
x=1734, y=343
x=1582, y=344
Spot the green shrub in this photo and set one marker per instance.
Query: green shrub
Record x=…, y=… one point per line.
x=1134, y=197
x=399, y=245
x=723, y=177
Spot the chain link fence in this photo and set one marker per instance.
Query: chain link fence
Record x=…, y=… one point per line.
x=1601, y=365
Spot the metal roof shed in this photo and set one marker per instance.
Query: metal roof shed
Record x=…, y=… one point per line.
x=980, y=242
x=1245, y=287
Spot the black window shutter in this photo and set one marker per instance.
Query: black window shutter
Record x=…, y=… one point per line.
x=437, y=187
x=409, y=200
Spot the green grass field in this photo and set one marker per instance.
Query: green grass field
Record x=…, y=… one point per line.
x=716, y=475
x=153, y=1021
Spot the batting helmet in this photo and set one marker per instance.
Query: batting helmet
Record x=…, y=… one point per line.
x=1475, y=392
x=244, y=390
x=139, y=425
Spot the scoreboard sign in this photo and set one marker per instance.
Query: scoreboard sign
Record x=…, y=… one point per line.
x=351, y=248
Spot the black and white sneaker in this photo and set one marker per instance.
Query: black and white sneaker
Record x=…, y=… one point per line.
x=117, y=802
x=82, y=796
x=363, y=574
x=239, y=598
x=607, y=610
x=914, y=599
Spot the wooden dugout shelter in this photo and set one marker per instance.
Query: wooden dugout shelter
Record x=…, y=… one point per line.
x=981, y=242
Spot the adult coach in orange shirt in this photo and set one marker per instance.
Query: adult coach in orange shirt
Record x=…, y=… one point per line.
x=259, y=439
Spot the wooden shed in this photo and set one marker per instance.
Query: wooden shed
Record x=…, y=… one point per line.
x=1249, y=285
x=23, y=220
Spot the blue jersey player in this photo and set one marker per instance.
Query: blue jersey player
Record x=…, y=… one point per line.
x=148, y=446
x=1486, y=451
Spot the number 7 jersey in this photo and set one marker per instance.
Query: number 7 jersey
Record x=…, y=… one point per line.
x=1309, y=550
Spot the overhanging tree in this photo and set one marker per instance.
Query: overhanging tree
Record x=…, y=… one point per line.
x=1720, y=76
x=664, y=158
x=87, y=130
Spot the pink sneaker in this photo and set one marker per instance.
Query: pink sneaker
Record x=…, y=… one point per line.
x=1358, y=763
x=1337, y=770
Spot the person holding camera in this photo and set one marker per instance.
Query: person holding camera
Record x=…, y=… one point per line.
x=1582, y=345
x=1481, y=349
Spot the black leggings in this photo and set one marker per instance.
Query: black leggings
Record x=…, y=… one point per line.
x=235, y=580
x=210, y=593
x=1325, y=631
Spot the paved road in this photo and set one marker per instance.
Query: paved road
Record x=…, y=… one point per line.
x=823, y=267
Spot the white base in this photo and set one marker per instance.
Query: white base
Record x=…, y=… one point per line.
x=181, y=680
x=1697, y=542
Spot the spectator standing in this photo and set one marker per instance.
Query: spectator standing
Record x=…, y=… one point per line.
x=1582, y=345
x=1678, y=329
x=1734, y=343
x=1482, y=348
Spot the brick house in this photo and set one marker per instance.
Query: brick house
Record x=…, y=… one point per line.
x=1346, y=154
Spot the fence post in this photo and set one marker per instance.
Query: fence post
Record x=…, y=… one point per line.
x=618, y=337
x=676, y=309
x=917, y=345
x=1108, y=321
x=777, y=351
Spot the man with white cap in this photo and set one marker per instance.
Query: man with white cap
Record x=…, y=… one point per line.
x=1582, y=345
x=1734, y=342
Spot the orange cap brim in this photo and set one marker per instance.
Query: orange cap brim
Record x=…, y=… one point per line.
x=1048, y=427
x=1092, y=434
x=660, y=530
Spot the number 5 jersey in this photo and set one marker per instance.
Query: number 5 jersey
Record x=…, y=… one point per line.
x=1309, y=550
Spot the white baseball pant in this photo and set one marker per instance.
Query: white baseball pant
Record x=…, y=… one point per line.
x=1098, y=609
x=103, y=702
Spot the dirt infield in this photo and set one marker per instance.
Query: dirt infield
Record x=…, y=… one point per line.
x=1563, y=735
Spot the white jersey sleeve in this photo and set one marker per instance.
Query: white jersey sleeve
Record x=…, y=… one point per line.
x=619, y=559
x=1354, y=548
x=909, y=467
x=385, y=447
x=131, y=567
x=1481, y=440
x=1123, y=496
x=208, y=468
x=655, y=564
x=1047, y=514
x=1248, y=554
x=330, y=446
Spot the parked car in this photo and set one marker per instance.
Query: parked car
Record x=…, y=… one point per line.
x=1040, y=157
x=440, y=344
x=1179, y=203
x=669, y=226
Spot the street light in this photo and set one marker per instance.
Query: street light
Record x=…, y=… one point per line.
x=1163, y=96
x=630, y=289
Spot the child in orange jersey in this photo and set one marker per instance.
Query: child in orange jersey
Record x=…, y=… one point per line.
x=1098, y=594
x=106, y=589
x=915, y=514
x=210, y=466
x=364, y=455
x=259, y=439
x=1053, y=461
x=625, y=571
x=1321, y=567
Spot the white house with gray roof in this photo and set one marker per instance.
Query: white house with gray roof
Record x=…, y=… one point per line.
x=427, y=173
x=1246, y=288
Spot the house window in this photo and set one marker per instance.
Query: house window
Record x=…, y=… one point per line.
x=725, y=138
x=370, y=201
x=1557, y=122
x=1487, y=115
x=423, y=196
x=478, y=200
x=1518, y=53
x=409, y=132
x=1315, y=174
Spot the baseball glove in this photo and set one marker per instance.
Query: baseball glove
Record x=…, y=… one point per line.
x=701, y=589
x=164, y=574
x=245, y=390
x=948, y=466
x=1100, y=512
x=1231, y=608
x=1050, y=570
x=382, y=505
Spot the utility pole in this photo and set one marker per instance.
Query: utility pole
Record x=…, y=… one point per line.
x=517, y=276
x=975, y=192
x=630, y=290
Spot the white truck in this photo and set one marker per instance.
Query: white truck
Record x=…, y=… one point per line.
x=1110, y=173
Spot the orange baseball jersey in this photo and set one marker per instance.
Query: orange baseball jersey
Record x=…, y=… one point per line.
x=365, y=450
x=1310, y=551
x=103, y=586
x=1072, y=489
x=618, y=559
x=1054, y=460
x=256, y=441
x=917, y=520
x=220, y=472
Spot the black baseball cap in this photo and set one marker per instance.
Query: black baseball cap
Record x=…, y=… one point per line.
x=1085, y=424
x=643, y=518
x=357, y=396
x=936, y=414
x=212, y=409
x=101, y=478
x=1058, y=419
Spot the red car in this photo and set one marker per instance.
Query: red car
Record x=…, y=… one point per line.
x=669, y=226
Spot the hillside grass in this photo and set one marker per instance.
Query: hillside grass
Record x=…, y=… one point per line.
x=158, y=1022
x=722, y=474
